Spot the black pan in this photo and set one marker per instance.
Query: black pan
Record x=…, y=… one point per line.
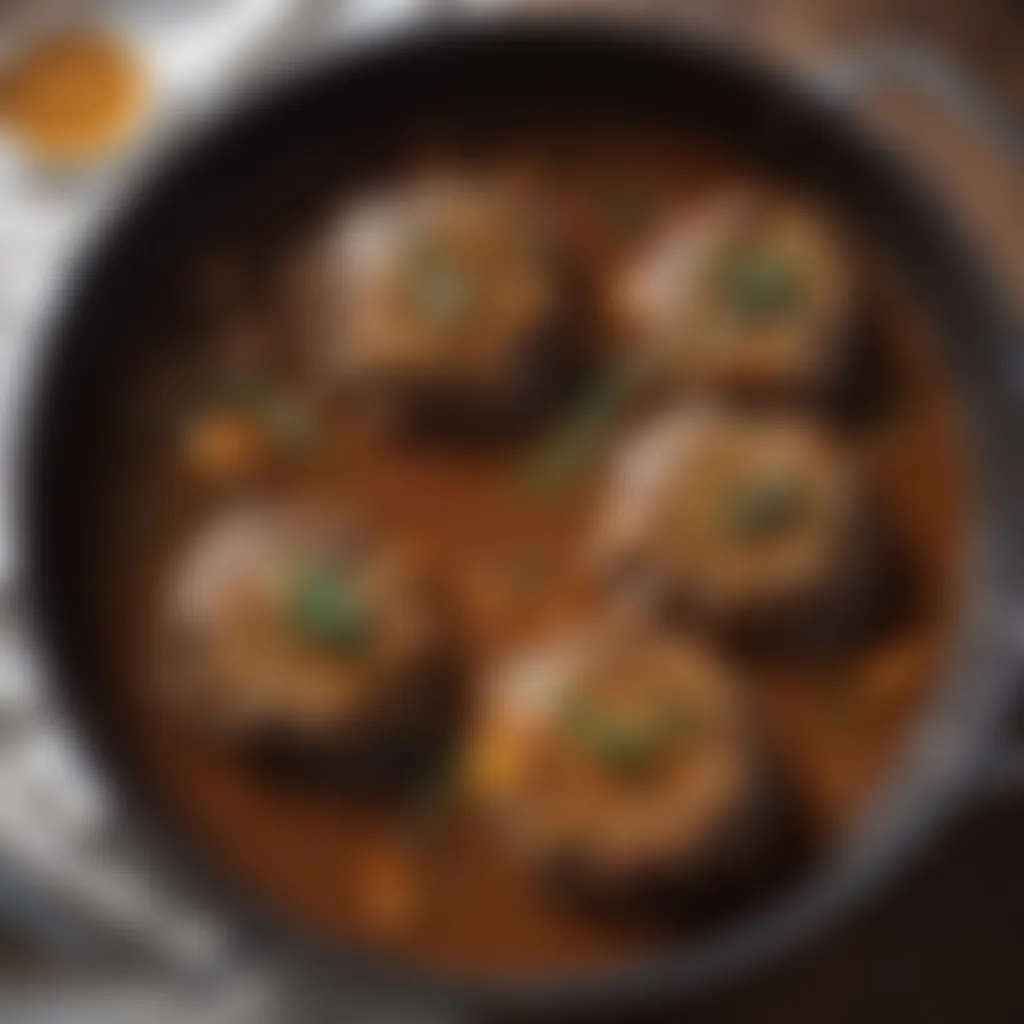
x=484, y=69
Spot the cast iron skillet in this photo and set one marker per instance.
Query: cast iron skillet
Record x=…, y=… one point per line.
x=481, y=69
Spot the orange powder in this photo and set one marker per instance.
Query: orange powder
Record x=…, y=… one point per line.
x=74, y=96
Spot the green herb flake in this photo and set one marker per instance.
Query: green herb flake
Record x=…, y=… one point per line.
x=285, y=420
x=436, y=801
x=578, y=441
x=629, y=747
x=325, y=607
x=440, y=286
x=766, y=509
x=757, y=285
x=288, y=423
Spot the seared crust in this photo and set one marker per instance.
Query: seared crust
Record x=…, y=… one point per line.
x=296, y=635
x=621, y=765
x=446, y=305
x=751, y=296
x=758, y=526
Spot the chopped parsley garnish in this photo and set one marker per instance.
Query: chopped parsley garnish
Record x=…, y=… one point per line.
x=440, y=286
x=757, y=285
x=629, y=744
x=326, y=607
x=766, y=508
x=580, y=439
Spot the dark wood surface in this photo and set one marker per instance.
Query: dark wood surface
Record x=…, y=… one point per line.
x=943, y=943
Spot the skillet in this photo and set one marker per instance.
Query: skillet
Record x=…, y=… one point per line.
x=541, y=66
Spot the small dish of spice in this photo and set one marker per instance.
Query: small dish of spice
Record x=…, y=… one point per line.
x=73, y=97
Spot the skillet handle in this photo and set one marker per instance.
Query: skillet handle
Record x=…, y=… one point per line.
x=858, y=77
